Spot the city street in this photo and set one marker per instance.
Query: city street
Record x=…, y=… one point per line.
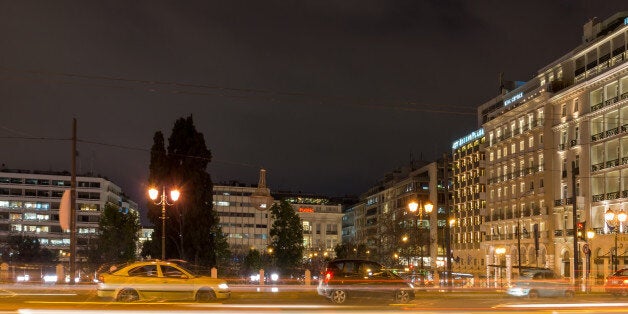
x=297, y=299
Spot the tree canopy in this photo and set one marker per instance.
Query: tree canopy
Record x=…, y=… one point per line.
x=192, y=226
x=26, y=249
x=286, y=237
x=117, y=236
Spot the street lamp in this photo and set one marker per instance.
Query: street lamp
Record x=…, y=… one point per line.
x=153, y=193
x=418, y=208
x=615, y=220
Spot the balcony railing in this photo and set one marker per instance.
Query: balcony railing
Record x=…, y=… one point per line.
x=596, y=167
x=597, y=106
x=612, y=195
x=597, y=198
x=612, y=163
x=611, y=132
x=597, y=136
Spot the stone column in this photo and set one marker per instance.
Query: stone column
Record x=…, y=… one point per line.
x=498, y=270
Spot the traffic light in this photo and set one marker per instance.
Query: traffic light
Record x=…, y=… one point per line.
x=581, y=230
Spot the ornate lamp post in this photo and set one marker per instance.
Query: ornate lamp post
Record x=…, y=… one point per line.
x=615, y=220
x=174, y=195
x=418, y=208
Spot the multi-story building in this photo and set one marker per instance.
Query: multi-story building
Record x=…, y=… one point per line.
x=245, y=226
x=30, y=201
x=516, y=215
x=589, y=125
x=322, y=224
x=555, y=148
x=390, y=231
x=469, y=202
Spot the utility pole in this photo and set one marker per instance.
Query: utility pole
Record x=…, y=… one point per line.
x=73, y=207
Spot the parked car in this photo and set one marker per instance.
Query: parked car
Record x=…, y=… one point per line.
x=159, y=280
x=540, y=282
x=617, y=283
x=352, y=279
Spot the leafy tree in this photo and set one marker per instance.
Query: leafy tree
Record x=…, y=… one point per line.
x=117, y=236
x=286, y=236
x=253, y=262
x=192, y=224
x=26, y=249
x=351, y=250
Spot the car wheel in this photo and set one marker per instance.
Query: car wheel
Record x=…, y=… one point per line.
x=205, y=296
x=402, y=296
x=338, y=296
x=533, y=294
x=569, y=294
x=127, y=295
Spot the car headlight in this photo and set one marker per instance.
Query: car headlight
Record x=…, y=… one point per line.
x=410, y=285
x=223, y=286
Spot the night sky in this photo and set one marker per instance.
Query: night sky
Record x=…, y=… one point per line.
x=328, y=96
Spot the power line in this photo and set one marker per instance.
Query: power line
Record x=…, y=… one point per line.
x=174, y=87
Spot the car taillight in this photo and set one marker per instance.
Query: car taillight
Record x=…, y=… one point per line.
x=328, y=276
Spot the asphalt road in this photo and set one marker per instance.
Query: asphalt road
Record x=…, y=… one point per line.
x=27, y=299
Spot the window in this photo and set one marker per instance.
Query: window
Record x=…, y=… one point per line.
x=531, y=142
x=144, y=271
x=576, y=105
x=563, y=110
x=171, y=272
x=522, y=146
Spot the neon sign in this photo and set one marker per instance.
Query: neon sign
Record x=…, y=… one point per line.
x=474, y=135
x=513, y=99
x=306, y=210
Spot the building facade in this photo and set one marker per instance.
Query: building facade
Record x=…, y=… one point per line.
x=590, y=125
x=30, y=201
x=394, y=235
x=245, y=226
x=469, y=202
x=555, y=162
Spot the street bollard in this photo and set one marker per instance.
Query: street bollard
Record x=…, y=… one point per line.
x=308, y=277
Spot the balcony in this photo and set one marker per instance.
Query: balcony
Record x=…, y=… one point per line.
x=561, y=146
x=598, y=166
x=597, y=136
x=611, y=132
x=611, y=101
x=612, y=195
x=597, y=198
x=597, y=106
x=612, y=163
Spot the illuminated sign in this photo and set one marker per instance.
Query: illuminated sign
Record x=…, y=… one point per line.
x=513, y=99
x=474, y=135
x=626, y=21
x=306, y=210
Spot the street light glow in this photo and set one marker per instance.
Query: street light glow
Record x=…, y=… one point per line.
x=153, y=193
x=174, y=195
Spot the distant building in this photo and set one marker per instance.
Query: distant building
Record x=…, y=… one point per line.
x=391, y=233
x=245, y=226
x=322, y=224
x=30, y=200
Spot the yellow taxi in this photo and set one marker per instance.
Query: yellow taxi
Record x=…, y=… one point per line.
x=157, y=279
